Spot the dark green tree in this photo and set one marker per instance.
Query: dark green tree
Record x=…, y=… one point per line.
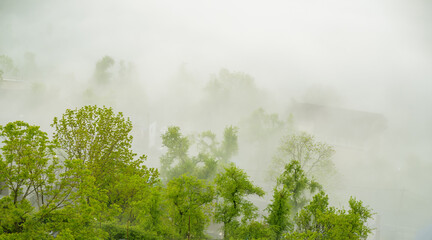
x=279, y=212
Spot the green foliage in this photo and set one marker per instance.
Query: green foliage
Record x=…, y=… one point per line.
x=87, y=183
x=229, y=145
x=210, y=158
x=44, y=195
x=319, y=221
x=279, y=212
x=29, y=161
x=101, y=140
x=189, y=199
x=14, y=215
x=253, y=230
x=232, y=207
x=313, y=156
x=177, y=146
x=298, y=185
x=116, y=231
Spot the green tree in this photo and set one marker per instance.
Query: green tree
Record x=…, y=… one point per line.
x=101, y=140
x=44, y=195
x=298, y=185
x=26, y=165
x=314, y=157
x=177, y=153
x=190, y=200
x=232, y=207
x=212, y=155
x=319, y=221
x=279, y=212
x=229, y=146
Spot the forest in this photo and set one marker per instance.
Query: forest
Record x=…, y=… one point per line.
x=85, y=182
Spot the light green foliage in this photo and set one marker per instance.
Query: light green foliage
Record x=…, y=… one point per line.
x=222, y=152
x=232, y=207
x=102, y=75
x=101, y=140
x=189, y=200
x=319, y=221
x=177, y=147
x=128, y=232
x=207, y=143
x=297, y=184
x=44, y=195
x=212, y=155
x=253, y=230
x=313, y=156
x=29, y=163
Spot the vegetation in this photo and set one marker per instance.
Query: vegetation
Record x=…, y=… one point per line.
x=232, y=208
x=313, y=156
x=87, y=183
x=212, y=154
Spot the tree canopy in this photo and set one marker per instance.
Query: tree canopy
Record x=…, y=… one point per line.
x=86, y=183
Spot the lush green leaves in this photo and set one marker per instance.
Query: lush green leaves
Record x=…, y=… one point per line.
x=319, y=221
x=189, y=200
x=211, y=157
x=232, y=207
x=88, y=184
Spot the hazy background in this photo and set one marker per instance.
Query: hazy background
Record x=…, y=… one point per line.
x=372, y=56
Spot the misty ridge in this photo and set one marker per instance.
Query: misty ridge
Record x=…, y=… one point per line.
x=350, y=80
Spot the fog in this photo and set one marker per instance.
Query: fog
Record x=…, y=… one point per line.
x=372, y=57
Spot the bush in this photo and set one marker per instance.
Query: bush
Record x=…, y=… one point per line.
x=116, y=232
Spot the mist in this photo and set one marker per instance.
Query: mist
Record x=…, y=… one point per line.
x=205, y=65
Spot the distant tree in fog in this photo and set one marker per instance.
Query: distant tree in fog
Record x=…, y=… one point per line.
x=314, y=156
x=7, y=67
x=231, y=94
x=102, y=74
x=260, y=125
